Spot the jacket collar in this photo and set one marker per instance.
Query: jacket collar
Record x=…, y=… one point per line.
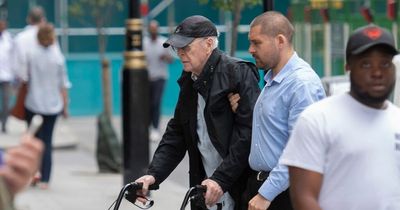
x=203, y=81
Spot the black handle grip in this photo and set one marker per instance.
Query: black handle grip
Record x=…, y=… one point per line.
x=196, y=193
x=130, y=193
x=139, y=186
x=201, y=188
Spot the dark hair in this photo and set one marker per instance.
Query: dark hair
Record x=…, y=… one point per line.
x=274, y=23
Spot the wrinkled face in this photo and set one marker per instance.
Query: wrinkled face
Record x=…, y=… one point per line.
x=372, y=75
x=263, y=48
x=194, y=55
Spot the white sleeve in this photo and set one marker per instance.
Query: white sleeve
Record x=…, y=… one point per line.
x=307, y=144
x=19, y=61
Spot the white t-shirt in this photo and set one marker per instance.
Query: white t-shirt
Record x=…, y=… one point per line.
x=157, y=68
x=357, y=150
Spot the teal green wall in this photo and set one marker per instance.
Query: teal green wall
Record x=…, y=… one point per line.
x=86, y=92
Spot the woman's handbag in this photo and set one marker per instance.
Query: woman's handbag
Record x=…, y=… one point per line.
x=18, y=110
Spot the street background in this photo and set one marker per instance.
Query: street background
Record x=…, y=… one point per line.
x=76, y=183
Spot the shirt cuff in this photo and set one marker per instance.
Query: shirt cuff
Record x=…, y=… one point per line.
x=268, y=191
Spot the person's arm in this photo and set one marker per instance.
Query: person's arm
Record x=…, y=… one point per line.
x=172, y=147
x=64, y=95
x=65, y=85
x=168, y=155
x=236, y=162
x=305, y=186
x=302, y=94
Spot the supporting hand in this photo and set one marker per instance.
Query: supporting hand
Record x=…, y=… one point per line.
x=214, y=192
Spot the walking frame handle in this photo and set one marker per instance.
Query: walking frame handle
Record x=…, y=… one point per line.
x=129, y=192
x=192, y=194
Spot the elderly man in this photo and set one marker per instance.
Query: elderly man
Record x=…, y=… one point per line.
x=216, y=139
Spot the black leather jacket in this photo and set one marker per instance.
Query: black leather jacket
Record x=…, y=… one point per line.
x=230, y=133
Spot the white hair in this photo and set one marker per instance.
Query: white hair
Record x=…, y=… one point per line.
x=215, y=41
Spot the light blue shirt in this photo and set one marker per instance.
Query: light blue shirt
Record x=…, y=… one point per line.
x=281, y=101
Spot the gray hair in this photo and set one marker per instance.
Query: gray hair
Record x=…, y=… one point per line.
x=215, y=42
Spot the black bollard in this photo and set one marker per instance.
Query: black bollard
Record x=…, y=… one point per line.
x=268, y=5
x=135, y=100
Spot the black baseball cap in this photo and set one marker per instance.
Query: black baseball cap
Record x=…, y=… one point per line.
x=369, y=36
x=192, y=27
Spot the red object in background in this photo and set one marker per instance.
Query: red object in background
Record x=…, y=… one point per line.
x=324, y=12
x=391, y=9
x=144, y=9
x=366, y=13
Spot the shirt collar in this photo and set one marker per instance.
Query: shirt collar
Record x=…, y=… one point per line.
x=283, y=73
x=201, y=82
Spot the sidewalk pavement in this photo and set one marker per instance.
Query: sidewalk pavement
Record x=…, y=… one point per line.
x=76, y=183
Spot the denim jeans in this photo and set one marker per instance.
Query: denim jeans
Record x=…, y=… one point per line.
x=5, y=92
x=45, y=133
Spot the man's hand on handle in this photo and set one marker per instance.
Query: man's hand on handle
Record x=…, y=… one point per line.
x=214, y=192
x=147, y=180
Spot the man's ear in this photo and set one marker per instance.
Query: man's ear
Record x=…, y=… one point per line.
x=210, y=43
x=347, y=68
x=281, y=39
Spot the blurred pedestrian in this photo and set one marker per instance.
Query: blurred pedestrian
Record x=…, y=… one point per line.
x=47, y=92
x=216, y=139
x=27, y=40
x=18, y=165
x=6, y=74
x=344, y=152
x=291, y=85
x=157, y=59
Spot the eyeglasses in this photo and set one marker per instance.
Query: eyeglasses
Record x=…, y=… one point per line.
x=186, y=48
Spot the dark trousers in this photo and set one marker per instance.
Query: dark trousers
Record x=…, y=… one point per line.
x=5, y=92
x=45, y=133
x=156, y=92
x=281, y=202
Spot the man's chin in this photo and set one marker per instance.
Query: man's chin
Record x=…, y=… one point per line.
x=260, y=65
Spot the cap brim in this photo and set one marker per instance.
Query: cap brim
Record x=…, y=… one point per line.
x=178, y=41
x=367, y=46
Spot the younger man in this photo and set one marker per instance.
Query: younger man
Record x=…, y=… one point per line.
x=344, y=152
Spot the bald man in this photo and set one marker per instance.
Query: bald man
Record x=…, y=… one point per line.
x=291, y=85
